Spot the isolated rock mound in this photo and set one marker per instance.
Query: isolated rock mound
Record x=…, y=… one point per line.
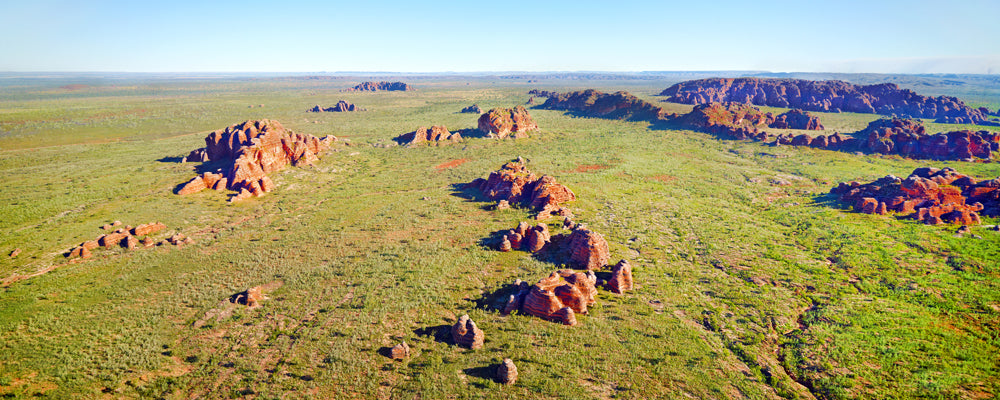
x=507, y=372
x=251, y=150
x=592, y=103
x=465, y=333
x=515, y=184
x=432, y=135
x=832, y=96
x=930, y=195
x=342, y=106
x=381, y=86
x=588, y=249
x=621, y=278
x=473, y=109
x=502, y=122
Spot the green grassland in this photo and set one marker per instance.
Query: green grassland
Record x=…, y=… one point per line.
x=752, y=281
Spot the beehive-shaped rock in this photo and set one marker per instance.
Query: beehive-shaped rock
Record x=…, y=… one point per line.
x=465, y=333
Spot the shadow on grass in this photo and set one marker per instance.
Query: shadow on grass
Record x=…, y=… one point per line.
x=488, y=373
x=471, y=195
x=439, y=333
x=170, y=159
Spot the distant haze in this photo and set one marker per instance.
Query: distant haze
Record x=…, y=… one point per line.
x=891, y=36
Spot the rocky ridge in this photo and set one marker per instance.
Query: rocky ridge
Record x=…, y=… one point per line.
x=930, y=195
x=828, y=96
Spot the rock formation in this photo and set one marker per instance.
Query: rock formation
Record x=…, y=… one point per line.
x=342, y=106
x=588, y=249
x=621, y=278
x=434, y=135
x=908, y=138
x=125, y=236
x=830, y=96
x=251, y=150
x=15, y=253
x=930, y=195
x=502, y=122
x=399, y=351
x=592, y=103
x=507, y=372
x=514, y=183
x=559, y=297
x=473, y=109
x=252, y=298
x=797, y=119
x=383, y=86
x=146, y=229
x=465, y=333
x=729, y=120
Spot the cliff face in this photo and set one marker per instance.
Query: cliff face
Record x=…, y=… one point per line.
x=833, y=96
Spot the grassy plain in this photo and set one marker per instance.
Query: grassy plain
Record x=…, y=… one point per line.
x=748, y=287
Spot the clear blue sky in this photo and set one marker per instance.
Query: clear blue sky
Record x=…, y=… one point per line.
x=470, y=35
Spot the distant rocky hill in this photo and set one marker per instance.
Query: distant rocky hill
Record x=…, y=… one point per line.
x=835, y=96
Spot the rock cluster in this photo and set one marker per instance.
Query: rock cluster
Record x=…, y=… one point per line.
x=930, y=195
x=125, y=237
x=593, y=103
x=559, y=297
x=434, y=134
x=515, y=184
x=381, y=86
x=503, y=122
x=831, y=96
x=907, y=138
x=473, y=109
x=588, y=249
x=465, y=333
x=342, y=106
x=252, y=150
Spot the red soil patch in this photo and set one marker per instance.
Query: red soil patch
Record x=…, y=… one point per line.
x=663, y=178
x=75, y=86
x=451, y=164
x=590, y=167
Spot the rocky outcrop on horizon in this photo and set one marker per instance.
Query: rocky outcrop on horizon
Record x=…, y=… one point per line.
x=930, y=195
x=827, y=96
x=342, y=106
x=381, y=86
x=250, y=150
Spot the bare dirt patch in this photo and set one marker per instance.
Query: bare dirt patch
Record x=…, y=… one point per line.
x=663, y=178
x=590, y=167
x=451, y=164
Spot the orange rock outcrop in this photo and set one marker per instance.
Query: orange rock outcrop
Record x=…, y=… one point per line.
x=251, y=150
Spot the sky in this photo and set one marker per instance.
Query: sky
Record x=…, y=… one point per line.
x=885, y=36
